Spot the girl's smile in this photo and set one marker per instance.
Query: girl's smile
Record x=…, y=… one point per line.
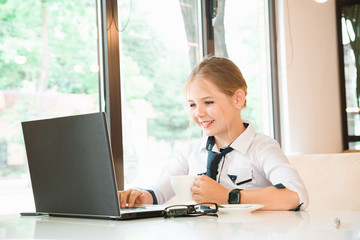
x=206, y=124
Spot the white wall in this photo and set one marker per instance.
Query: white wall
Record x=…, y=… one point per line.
x=310, y=100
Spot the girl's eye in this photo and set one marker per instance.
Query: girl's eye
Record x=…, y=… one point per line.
x=192, y=105
x=209, y=102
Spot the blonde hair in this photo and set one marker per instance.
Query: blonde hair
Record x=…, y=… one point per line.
x=221, y=72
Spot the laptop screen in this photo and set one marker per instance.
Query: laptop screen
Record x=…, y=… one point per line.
x=71, y=166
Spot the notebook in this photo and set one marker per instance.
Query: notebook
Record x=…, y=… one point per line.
x=72, y=171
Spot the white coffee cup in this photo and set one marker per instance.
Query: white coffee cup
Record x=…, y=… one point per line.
x=182, y=187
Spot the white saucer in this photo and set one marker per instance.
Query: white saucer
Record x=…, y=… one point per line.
x=238, y=208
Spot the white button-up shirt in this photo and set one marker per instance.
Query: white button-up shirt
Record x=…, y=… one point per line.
x=257, y=161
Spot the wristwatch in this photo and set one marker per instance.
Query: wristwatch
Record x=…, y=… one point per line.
x=234, y=196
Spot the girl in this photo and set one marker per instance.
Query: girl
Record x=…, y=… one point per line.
x=234, y=164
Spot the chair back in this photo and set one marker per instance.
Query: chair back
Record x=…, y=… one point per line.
x=332, y=180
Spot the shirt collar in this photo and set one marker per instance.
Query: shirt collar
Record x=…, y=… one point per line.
x=241, y=144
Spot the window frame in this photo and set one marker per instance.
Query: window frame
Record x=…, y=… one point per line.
x=111, y=95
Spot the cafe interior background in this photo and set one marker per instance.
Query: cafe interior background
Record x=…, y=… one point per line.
x=56, y=60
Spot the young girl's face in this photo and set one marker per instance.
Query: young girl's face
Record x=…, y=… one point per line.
x=212, y=110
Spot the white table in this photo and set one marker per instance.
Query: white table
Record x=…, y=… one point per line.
x=256, y=225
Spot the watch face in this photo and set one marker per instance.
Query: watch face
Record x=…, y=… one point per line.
x=234, y=197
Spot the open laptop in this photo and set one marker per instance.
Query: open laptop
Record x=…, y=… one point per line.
x=71, y=169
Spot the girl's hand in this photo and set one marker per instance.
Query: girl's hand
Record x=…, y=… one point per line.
x=206, y=189
x=134, y=196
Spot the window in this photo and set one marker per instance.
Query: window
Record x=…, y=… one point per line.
x=243, y=37
x=159, y=45
x=160, y=42
x=348, y=19
x=48, y=68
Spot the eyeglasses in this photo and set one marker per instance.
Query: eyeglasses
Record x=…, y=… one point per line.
x=200, y=209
